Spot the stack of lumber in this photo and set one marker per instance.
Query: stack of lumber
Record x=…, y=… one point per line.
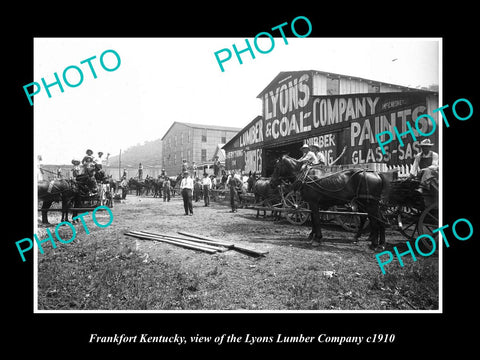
x=194, y=242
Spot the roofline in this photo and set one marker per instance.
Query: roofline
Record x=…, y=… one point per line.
x=327, y=73
x=258, y=117
x=201, y=126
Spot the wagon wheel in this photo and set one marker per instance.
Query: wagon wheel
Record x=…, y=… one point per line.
x=408, y=218
x=349, y=223
x=272, y=204
x=428, y=222
x=294, y=203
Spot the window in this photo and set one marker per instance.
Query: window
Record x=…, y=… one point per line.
x=204, y=135
x=204, y=155
x=224, y=137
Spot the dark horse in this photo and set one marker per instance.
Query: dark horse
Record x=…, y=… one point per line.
x=265, y=194
x=65, y=191
x=322, y=191
x=137, y=185
x=173, y=182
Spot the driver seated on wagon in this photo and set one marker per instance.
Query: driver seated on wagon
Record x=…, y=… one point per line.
x=86, y=179
x=425, y=166
x=308, y=156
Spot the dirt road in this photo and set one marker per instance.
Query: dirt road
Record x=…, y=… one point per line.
x=108, y=270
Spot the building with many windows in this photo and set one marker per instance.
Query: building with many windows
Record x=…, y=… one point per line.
x=193, y=142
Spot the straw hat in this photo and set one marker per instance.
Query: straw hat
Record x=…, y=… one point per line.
x=426, y=142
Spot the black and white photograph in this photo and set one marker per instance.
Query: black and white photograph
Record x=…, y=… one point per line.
x=247, y=187
x=262, y=190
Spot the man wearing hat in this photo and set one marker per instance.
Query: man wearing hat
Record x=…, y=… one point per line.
x=309, y=156
x=315, y=148
x=76, y=170
x=235, y=185
x=425, y=164
x=88, y=162
x=207, y=186
x=186, y=188
x=184, y=165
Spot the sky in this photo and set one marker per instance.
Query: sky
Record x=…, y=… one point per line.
x=162, y=80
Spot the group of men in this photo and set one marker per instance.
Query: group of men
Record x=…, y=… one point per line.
x=424, y=168
x=312, y=154
x=187, y=186
x=84, y=171
x=88, y=163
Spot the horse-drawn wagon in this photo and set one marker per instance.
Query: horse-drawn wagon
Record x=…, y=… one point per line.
x=83, y=193
x=352, y=198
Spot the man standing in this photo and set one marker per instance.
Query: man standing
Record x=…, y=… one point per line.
x=184, y=165
x=216, y=166
x=207, y=186
x=140, y=171
x=194, y=169
x=235, y=185
x=166, y=188
x=197, y=189
x=186, y=187
x=124, y=187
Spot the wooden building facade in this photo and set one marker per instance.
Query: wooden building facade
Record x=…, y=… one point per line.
x=342, y=114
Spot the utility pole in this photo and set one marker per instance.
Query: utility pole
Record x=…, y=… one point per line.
x=120, y=165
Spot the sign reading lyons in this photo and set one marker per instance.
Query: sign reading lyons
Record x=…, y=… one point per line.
x=287, y=107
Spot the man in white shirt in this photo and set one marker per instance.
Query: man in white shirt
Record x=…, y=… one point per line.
x=315, y=148
x=186, y=187
x=207, y=186
x=425, y=164
x=308, y=155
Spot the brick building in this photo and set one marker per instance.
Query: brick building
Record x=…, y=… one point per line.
x=193, y=142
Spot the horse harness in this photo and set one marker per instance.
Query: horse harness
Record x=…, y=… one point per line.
x=304, y=178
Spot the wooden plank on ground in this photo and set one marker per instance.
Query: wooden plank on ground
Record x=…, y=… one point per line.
x=204, y=241
x=217, y=247
x=235, y=247
x=181, y=244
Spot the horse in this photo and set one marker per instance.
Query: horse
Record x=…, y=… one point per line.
x=173, y=182
x=157, y=185
x=62, y=190
x=265, y=195
x=322, y=191
x=138, y=185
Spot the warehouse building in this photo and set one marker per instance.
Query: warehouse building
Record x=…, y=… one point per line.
x=193, y=142
x=342, y=114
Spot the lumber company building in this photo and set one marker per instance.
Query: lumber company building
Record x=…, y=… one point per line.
x=342, y=114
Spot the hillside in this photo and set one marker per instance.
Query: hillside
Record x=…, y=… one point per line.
x=149, y=153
